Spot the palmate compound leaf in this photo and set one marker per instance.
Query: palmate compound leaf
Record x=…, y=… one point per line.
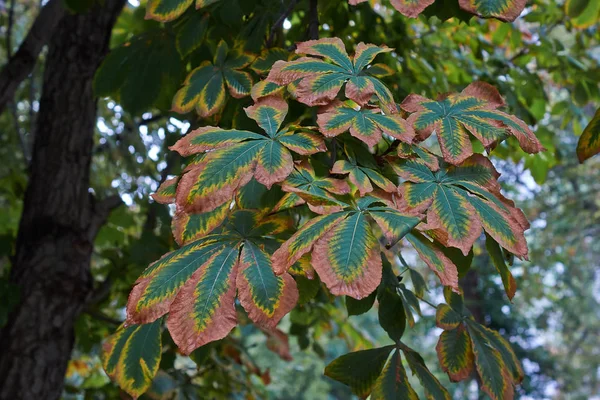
x=360, y=370
x=409, y=8
x=344, y=249
x=204, y=87
x=460, y=201
x=474, y=110
x=304, y=179
x=504, y=10
x=321, y=80
x=196, y=284
x=233, y=157
x=131, y=356
x=589, y=141
x=365, y=124
x=467, y=344
x=366, y=372
x=168, y=10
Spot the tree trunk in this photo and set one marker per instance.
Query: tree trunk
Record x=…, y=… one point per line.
x=60, y=217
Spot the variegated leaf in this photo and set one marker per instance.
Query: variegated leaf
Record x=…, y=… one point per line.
x=320, y=81
x=234, y=157
x=589, y=141
x=432, y=386
x=495, y=252
x=496, y=379
x=265, y=296
x=132, y=355
x=435, y=259
x=190, y=227
x=471, y=111
x=204, y=88
x=393, y=382
x=165, y=194
x=504, y=10
x=365, y=124
x=455, y=353
x=204, y=309
x=446, y=318
x=347, y=258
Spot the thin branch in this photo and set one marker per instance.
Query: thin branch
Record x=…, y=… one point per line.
x=277, y=24
x=22, y=62
x=102, y=317
x=313, y=20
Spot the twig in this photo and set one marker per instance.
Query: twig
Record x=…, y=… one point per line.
x=313, y=20
x=280, y=20
x=102, y=317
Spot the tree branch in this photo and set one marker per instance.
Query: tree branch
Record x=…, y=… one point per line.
x=277, y=24
x=21, y=64
x=313, y=20
x=101, y=210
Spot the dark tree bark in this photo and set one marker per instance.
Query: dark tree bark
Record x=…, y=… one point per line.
x=60, y=217
x=22, y=62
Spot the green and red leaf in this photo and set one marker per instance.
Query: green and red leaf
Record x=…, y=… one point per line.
x=589, y=142
x=166, y=192
x=265, y=296
x=131, y=357
x=347, y=258
x=455, y=353
x=393, y=383
x=204, y=309
x=190, y=227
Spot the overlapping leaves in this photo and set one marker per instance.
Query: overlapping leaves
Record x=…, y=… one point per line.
x=367, y=372
x=321, y=81
x=465, y=345
x=232, y=157
x=366, y=124
x=196, y=284
x=204, y=87
x=504, y=10
x=474, y=111
x=344, y=249
x=460, y=201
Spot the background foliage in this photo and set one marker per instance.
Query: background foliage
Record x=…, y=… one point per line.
x=545, y=64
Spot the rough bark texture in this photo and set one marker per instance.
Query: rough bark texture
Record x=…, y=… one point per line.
x=60, y=217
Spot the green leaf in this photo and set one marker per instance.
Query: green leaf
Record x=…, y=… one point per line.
x=359, y=370
x=446, y=318
x=358, y=307
x=433, y=388
x=495, y=252
x=132, y=355
x=455, y=353
x=509, y=358
x=496, y=379
x=393, y=382
x=589, y=141
x=392, y=317
x=191, y=34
